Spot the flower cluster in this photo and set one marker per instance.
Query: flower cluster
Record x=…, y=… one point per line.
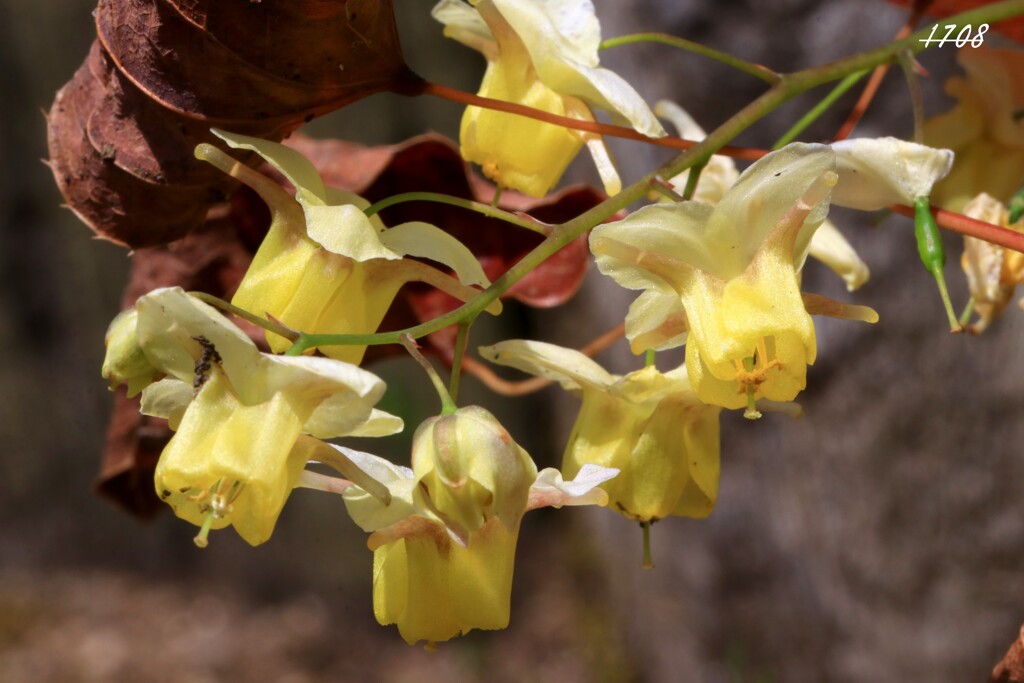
x=543, y=55
x=717, y=256
x=444, y=548
x=245, y=422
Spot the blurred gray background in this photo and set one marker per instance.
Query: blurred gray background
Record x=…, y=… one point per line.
x=880, y=538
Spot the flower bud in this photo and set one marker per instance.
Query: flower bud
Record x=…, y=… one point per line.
x=469, y=470
x=125, y=362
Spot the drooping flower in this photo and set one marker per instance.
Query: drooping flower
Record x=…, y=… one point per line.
x=324, y=266
x=984, y=128
x=650, y=426
x=724, y=279
x=873, y=173
x=245, y=422
x=733, y=269
x=993, y=272
x=444, y=551
x=542, y=54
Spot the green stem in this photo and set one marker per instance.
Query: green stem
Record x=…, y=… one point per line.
x=692, y=180
x=810, y=117
x=788, y=87
x=650, y=358
x=1016, y=206
x=755, y=70
x=648, y=561
x=470, y=205
x=461, y=340
x=447, y=404
x=268, y=325
x=965, y=317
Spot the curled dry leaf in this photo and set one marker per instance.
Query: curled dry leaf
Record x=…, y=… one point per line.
x=214, y=257
x=163, y=72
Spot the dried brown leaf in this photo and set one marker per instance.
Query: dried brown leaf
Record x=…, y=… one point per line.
x=163, y=73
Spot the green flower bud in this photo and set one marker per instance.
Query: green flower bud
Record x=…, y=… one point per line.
x=125, y=362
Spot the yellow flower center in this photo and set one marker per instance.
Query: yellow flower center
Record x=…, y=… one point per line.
x=751, y=372
x=215, y=503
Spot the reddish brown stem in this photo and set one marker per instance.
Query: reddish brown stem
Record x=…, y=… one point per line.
x=877, y=76
x=447, y=93
x=957, y=222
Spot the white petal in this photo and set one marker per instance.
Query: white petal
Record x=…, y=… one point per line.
x=343, y=393
x=380, y=423
x=371, y=513
x=763, y=195
x=167, y=399
x=170, y=325
x=830, y=247
x=299, y=171
x=562, y=37
x=334, y=417
x=550, y=490
x=605, y=166
x=569, y=367
x=347, y=231
x=672, y=230
x=428, y=241
x=874, y=173
x=656, y=320
x=462, y=22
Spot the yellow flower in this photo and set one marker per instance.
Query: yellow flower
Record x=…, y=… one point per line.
x=724, y=279
x=993, y=272
x=324, y=266
x=984, y=128
x=650, y=426
x=244, y=421
x=436, y=580
x=542, y=55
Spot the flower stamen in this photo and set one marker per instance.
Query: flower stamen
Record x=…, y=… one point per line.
x=215, y=503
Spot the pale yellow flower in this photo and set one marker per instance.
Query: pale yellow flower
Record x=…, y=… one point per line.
x=542, y=54
x=245, y=422
x=436, y=579
x=984, y=128
x=650, y=426
x=724, y=279
x=324, y=266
